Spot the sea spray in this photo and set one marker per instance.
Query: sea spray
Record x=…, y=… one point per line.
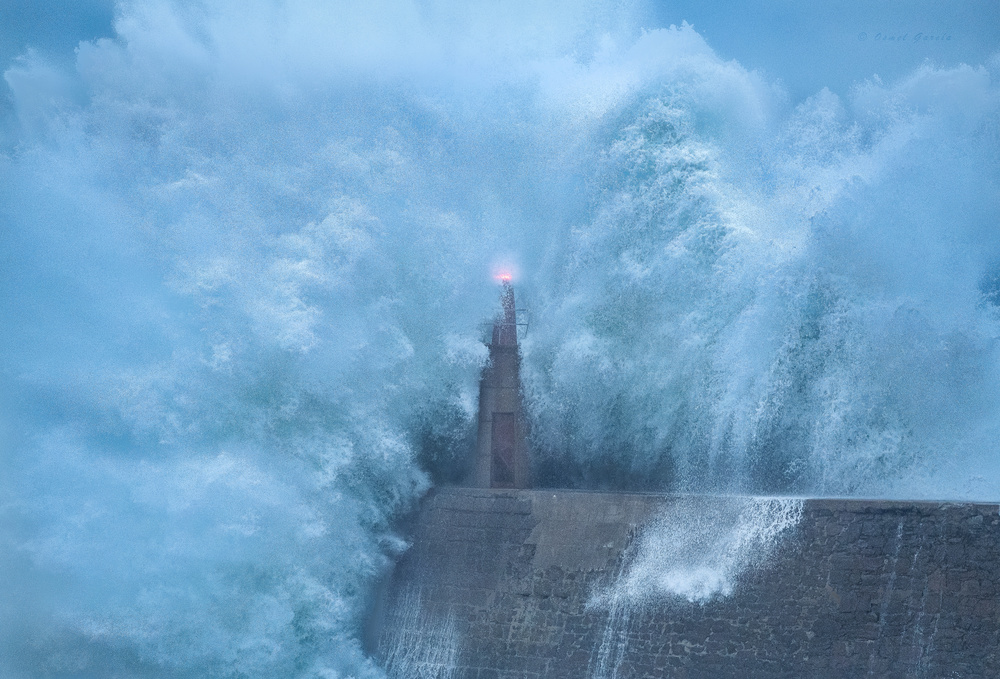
x=799, y=304
x=247, y=247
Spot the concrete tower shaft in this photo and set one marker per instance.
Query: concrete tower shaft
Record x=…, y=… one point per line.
x=501, y=450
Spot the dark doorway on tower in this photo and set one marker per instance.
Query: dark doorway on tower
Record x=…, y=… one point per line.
x=503, y=443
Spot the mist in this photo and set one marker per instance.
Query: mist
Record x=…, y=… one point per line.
x=248, y=248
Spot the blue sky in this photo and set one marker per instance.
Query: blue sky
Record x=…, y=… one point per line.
x=834, y=44
x=52, y=27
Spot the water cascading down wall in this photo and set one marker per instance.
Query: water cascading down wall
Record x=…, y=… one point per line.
x=542, y=583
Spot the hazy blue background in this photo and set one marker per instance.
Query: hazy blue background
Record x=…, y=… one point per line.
x=823, y=40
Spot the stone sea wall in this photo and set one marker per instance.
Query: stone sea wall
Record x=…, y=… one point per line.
x=515, y=583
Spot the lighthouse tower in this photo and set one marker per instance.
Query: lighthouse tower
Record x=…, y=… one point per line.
x=501, y=451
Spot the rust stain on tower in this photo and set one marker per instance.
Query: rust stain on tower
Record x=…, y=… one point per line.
x=501, y=450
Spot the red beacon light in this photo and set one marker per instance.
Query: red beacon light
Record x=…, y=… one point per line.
x=506, y=327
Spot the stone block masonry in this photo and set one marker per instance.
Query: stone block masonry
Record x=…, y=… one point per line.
x=501, y=584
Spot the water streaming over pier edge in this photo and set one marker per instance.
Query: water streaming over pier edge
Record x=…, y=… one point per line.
x=696, y=550
x=699, y=548
x=246, y=249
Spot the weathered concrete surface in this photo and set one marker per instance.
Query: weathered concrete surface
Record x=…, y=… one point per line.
x=497, y=586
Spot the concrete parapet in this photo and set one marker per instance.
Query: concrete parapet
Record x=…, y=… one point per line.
x=508, y=583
